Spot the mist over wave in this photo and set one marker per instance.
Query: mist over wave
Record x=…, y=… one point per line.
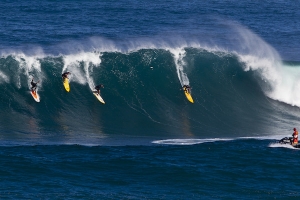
x=231, y=85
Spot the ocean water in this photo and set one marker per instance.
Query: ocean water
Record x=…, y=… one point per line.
x=147, y=141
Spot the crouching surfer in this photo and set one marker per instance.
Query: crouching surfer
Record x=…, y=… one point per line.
x=97, y=88
x=187, y=88
x=295, y=137
x=33, y=89
x=65, y=75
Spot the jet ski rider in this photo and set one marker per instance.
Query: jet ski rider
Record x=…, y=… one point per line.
x=295, y=137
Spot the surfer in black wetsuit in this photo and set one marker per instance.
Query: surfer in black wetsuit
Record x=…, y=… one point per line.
x=187, y=88
x=97, y=88
x=33, y=85
x=65, y=75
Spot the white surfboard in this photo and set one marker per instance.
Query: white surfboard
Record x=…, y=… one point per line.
x=99, y=97
x=35, y=95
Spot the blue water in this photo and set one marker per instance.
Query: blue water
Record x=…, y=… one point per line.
x=244, y=169
x=147, y=141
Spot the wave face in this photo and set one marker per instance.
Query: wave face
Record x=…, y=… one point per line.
x=143, y=96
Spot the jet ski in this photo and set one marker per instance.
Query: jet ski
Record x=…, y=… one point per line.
x=288, y=140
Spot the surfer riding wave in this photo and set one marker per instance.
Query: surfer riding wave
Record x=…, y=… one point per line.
x=33, y=85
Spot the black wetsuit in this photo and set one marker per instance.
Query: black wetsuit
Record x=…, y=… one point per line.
x=33, y=85
x=98, y=88
x=187, y=88
x=65, y=75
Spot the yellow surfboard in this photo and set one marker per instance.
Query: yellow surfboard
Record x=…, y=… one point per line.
x=66, y=84
x=188, y=95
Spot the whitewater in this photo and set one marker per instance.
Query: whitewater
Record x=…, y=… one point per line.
x=142, y=77
x=148, y=141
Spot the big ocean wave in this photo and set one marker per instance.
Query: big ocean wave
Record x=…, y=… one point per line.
x=241, y=89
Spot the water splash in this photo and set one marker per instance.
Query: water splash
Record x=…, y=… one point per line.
x=179, y=54
x=81, y=67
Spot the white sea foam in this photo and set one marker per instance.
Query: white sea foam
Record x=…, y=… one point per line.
x=284, y=81
x=188, y=141
x=179, y=55
x=281, y=82
x=278, y=145
x=257, y=55
x=3, y=77
x=207, y=140
x=30, y=67
x=288, y=87
x=81, y=66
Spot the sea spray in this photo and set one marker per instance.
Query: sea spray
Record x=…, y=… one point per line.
x=73, y=63
x=179, y=55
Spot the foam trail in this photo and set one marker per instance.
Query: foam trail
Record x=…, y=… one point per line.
x=29, y=66
x=200, y=141
x=87, y=68
x=73, y=63
x=277, y=145
x=179, y=54
x=187, y=141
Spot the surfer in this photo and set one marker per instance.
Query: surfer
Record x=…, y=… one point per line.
x=65, y=75
x=97, y=88
x=187, y=88
x=33, y=85
x=295, y=137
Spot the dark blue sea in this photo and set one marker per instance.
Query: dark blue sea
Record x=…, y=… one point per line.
x=241, y=59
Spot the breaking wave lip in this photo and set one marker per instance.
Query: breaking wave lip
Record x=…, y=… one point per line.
x=256, y=55
x=31, y=65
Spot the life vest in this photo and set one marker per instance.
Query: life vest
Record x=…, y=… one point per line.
x=295, y=137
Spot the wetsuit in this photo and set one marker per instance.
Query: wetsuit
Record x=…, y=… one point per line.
x=33, y=85
x=65, y=75
x=187, y=88
x=98, y=88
